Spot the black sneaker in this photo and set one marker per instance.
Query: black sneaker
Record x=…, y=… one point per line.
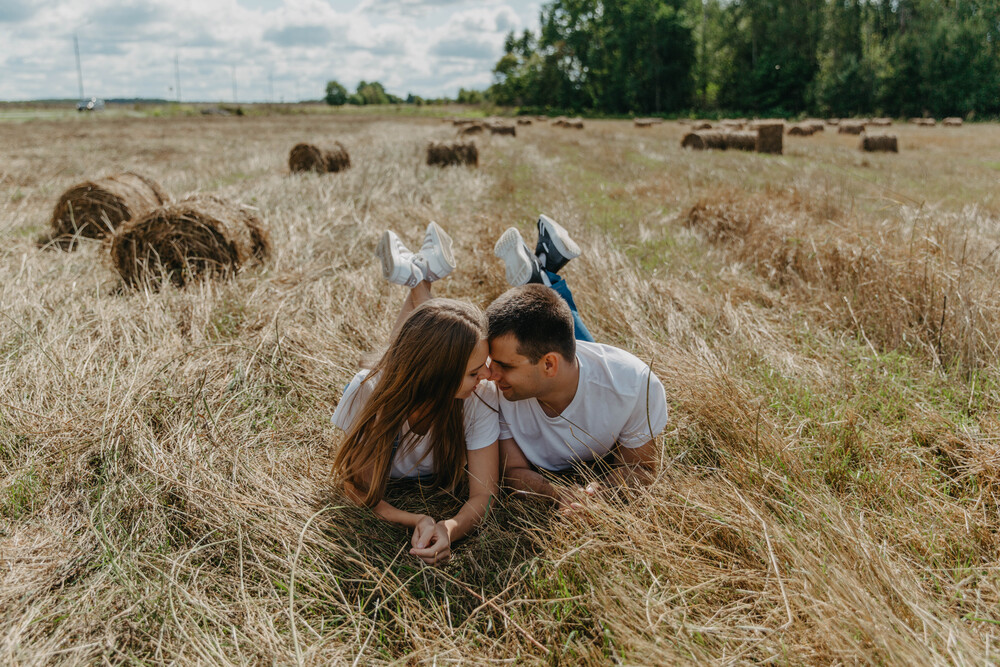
x=554, y=244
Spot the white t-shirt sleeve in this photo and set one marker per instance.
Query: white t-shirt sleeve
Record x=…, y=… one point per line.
x=353, y=401
x=648, y=417
x=482, y=417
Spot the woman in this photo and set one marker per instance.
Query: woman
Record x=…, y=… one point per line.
x=423, y=410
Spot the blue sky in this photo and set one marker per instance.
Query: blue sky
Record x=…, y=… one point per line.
x=280, y=50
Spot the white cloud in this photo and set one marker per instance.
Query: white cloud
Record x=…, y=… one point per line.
x=127, y=47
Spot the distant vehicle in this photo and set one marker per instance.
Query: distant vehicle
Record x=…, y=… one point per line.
x=93, y=104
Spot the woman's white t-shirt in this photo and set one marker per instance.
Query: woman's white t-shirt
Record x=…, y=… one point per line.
x=482, y=425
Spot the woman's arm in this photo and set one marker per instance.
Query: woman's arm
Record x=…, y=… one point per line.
x=386, y=511
x=434, y=546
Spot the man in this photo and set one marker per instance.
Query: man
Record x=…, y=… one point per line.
x=566, y=400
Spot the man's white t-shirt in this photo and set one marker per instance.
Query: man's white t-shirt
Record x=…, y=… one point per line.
x=482, y=426
x=618, y=400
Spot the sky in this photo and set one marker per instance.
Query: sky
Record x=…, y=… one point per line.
x=252, y=50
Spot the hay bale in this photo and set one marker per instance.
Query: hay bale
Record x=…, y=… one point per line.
x=923, y=122
x=880, y=122
x=458, y=122
x=801, y=130
x=770, y=137
x=307, y=157
x=446, y=155
x=643, y=122
x=952, y=122
x=508, y=130
x=732, y=124
x=885, y=143
x=470, y=130
x=524, y=121
x=817, y=124
x=572, y=123
x=200, y=237
x=833, y=121
x=741, y=141
x=704, y=140
x=94, y=209
x=698, y=126
x=852, y=127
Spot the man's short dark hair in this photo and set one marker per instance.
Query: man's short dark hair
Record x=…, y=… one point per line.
x=539, y=319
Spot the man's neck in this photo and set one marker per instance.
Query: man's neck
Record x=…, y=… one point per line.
x=564, y=387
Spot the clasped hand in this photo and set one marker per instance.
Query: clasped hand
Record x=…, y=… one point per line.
x=431, y=542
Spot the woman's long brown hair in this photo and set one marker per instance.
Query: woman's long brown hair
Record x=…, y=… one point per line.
x=422, y=370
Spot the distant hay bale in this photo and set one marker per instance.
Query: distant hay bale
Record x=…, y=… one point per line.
x=880, y=122
x=705, y=139
x=801, y=130
x=94, y=209
x=741, y=141
x=733, y=123
x=524, y=121
x=833, y=121
x=307, y=157
x=850, y=127
x=924, y=122
x=470, y=130
x=643, y=122
x=817, y=124
x=770, y=137
x=446, y=155
x=509, y=130
x=200, y=237
x=952, y=122
x=572, y=123
x=885, y=143
x=697, y=126
x=458, y=122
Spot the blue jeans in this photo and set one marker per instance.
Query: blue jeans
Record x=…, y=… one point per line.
x=580, y=330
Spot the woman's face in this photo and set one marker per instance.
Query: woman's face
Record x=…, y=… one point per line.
x=475, y=371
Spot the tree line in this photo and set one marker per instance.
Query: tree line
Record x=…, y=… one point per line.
x=765, y=57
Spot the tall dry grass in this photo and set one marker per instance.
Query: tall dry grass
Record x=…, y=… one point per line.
x=828, y=490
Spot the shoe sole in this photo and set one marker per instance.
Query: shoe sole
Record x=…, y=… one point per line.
x=444, y=242
x=511, y=249
x=565, y=246
x=386, y=252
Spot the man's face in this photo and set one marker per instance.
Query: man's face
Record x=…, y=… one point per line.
x=515, y=376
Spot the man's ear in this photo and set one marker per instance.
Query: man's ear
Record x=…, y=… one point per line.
x=550, y=364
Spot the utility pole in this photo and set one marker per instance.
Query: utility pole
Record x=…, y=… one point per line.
x=177, y=78
x=270, y=87
x=234, y=85
x=79, y=70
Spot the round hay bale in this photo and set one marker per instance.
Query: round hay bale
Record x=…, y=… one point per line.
x=458, y=122
x=509, y=130
x=732, y=124
x=952, y=122
x=470, y=130
x=643, y=122
x=697, y=126
x=524, y=121
x=703, y=140
x=573, y=123
x=884, y=143
x=851, y=127
x=770, y=136
x=446, y=155
x=94, y=209
x=833, y=121
x=307, y=157
x=741, y=141
x=880, y=122
x=801, y=130
x=201, y=237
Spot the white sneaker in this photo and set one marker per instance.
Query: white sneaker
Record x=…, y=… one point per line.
x=435, y=257
x=522, y=266
x=397, y=261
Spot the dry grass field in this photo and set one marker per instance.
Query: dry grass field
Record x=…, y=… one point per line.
x=826, y=324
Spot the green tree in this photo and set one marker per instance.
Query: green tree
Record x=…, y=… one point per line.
x=336, y=94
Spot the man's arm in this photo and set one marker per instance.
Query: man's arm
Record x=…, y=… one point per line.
x=519, y=477
x=633, y=466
